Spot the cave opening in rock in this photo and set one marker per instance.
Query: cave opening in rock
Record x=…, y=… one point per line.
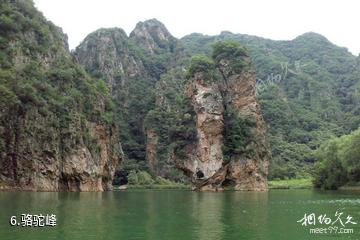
x=120, y=177
x=228, y=183
x=199, y=174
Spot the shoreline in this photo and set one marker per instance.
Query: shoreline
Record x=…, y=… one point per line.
x=305, y=183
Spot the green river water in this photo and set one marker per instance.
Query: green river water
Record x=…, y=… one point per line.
x=179, y=214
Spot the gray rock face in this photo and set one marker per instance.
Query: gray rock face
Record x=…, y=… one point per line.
x=32, y=164
x=119, y=59
x=106, y=53
x=125, y=63
x=153, y=36
x=207, y=159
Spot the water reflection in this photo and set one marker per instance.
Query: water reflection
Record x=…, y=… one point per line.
x=246, y=209
x=207, y=211
x=175, y=215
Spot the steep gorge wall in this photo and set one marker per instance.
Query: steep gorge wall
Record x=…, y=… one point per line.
x=36, y=161
x=171, y=126
x=56, y=126
x=131, y=66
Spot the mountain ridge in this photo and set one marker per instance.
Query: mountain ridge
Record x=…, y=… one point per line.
x=308, y=89
x=308, y=59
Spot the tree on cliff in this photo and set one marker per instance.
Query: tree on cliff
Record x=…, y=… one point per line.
x=230, y=54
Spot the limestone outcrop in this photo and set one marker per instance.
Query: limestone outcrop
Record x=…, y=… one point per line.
x=230, y=146
x=207, y=102
x=216, y=136
x=57, y=131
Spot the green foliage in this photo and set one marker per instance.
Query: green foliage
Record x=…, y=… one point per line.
x=183, y=132
x=172, y=121
x=44, y=85
x=162, y=181
x=7, y=98
x=133, y=177
x=290, y=159
x=315, y=98
x=136, y=99
x=329, y=174
x=202, y=64
x=237, y=134
x=173, y=130
x=338, y=162
x=300, y=183
x=173, y=185
x=7, y=24
x=144, y=178
x=231, y=55
x=160, y=121
x=156, y=64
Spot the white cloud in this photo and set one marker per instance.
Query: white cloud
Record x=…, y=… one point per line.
x=275, y=19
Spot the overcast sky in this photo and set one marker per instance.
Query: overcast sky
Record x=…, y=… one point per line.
x=338, y=20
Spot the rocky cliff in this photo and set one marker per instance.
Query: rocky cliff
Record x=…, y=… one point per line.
x=206, y=159
x=308, y=90
x=171, y=122
x=56, y=123
x=230, y=145
x=153, y=36
x=131, y=66
x=248, y=169
x=106, y=53
x=119, y=59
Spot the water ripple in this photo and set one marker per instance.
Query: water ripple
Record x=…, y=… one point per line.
x=334, y=201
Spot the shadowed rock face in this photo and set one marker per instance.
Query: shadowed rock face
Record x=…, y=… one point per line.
x=37, y=168
x=84, y=171
x=248, y=172
x=106, y=51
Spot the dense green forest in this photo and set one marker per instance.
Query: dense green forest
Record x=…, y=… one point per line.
x=338, y=162
x=49, y=104
x=38, y=74
x=134, y=74
x=308, y=89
